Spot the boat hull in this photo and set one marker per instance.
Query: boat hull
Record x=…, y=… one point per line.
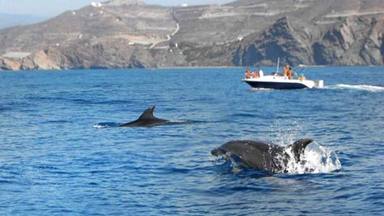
x=276, y=85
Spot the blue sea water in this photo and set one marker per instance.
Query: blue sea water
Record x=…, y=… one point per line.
x=57, y=159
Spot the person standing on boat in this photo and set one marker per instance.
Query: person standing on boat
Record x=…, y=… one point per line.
x=248, y=73
x=290, y=72
x=287, y=71
x=255, y=74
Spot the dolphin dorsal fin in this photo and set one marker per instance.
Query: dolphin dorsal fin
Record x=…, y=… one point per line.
x=147, y=114
x=299, y=146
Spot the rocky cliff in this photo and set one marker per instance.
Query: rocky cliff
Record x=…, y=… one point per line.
x=128, y=33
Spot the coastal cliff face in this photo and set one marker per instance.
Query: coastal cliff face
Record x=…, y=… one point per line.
x=128, y=33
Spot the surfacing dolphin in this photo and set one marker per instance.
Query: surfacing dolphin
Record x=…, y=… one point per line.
x=266, y=157
x=147, y=119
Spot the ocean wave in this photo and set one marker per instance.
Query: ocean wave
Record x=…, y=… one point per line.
x=362, y=87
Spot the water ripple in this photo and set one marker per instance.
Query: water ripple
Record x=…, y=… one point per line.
x=61, y=152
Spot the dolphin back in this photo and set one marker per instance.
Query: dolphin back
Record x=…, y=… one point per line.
x=146, y=119
x=252, y=154
x=147, y=114
x=299, y=146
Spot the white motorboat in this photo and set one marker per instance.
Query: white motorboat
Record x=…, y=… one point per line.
x=257, y=79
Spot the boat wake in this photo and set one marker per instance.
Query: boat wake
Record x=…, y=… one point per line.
x=260, y=89
x=369, y=88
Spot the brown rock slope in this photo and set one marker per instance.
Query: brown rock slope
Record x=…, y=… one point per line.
x=128, y=33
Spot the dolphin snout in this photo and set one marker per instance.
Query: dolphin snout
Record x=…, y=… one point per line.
x=217, y=152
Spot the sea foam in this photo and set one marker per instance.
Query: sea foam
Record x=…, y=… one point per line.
x=369, y=88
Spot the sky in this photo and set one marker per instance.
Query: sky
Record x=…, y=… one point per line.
x=46, y=8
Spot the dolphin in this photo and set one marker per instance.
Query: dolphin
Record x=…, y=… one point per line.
x=147, y=119
x=263, y=156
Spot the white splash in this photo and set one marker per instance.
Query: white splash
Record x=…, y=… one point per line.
x=316, y=159
x=260, y=89
x=98, y=126
x=96, y=4
x=370, y=88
